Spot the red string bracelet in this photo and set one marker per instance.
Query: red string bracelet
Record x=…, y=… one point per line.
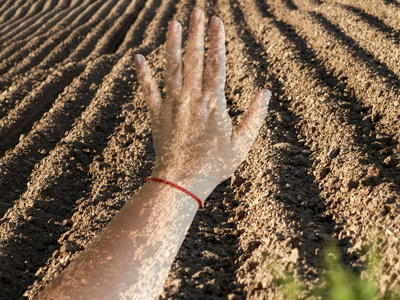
x=178, y=187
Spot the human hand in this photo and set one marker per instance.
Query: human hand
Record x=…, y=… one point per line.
x=196, y=145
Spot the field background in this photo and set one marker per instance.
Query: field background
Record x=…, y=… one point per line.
x=75, y=138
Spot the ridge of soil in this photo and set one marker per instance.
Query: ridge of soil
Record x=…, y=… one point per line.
x=75, y=139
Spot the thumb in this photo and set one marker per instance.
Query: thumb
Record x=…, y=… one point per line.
x=244, y=134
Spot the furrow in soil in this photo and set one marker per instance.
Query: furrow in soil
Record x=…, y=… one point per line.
x=64, y=14
x=52, y=194
x=18, y=162
x=28, y=9
x=385, y=13
x=330, y=124
x=155, y=32
x=360, y=35
x=17, y=63
x=21, y=118
x=9, y=11
x=395, y=3
x=9, y=31
x=122, y=26
x=14, y=94
x=90, y=47
x=373, y=83
x=280, y=211
x=23, y=114
x=135, y=34
x=76, y=141
x=43, y=26
x=12, y=122
x=3, y=4
x=99, y=22
x=365, y=29
x=77, y=30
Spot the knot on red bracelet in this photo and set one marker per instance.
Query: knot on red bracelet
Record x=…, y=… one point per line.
x=178, y=187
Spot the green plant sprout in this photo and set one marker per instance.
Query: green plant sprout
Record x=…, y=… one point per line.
x=337, y=281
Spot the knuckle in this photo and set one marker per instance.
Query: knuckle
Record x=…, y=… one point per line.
x=173, y=67
x=193, y=61
x=216, y=60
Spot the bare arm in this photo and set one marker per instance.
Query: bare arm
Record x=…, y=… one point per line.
x=196, y=147
x=133, y=254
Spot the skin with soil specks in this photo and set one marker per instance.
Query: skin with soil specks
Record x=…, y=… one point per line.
x=324, y=167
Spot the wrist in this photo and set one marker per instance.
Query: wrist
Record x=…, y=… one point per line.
x=199, y=185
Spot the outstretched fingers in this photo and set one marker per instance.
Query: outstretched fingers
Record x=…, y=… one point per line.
x=173, y=61
x=151, y=92
x=244, y=134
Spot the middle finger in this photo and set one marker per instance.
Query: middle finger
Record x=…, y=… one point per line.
x=173, y=61
x=194, y=57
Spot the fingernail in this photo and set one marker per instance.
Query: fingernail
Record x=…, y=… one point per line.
x=196, y=14
x=266, y=95
x=215, y=22
x=173, y=26
x=139, y=58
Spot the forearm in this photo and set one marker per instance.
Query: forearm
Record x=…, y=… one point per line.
x=133, y=254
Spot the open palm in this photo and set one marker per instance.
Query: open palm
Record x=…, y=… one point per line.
x=193, y=135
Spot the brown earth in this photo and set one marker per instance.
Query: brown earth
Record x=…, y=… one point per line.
x=75, y=138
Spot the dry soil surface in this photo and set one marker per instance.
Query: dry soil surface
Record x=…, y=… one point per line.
x=75, y=138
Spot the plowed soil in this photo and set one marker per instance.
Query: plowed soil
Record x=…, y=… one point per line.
x=75, y=138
